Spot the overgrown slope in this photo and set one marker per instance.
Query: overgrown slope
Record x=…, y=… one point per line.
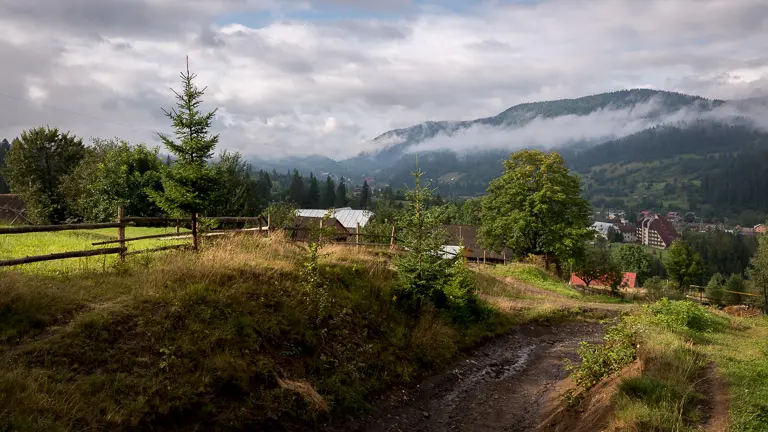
x=229, y=339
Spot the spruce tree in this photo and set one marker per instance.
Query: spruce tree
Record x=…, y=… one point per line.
x=189, y=182
x=296, y=192
x=365, y=196
x=313, y=193
x=341, y=194
x=329, y=193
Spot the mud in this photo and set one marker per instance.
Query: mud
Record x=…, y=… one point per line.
x=501, y=387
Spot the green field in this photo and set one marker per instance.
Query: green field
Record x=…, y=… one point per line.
x=22, y=245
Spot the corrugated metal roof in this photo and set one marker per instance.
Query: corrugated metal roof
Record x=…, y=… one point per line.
x=348, y=217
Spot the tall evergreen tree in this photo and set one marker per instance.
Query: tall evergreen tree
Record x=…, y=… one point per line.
x=329, y=193
x=365, y=196
x=188, y=183
x=313, y=193
x=341, y=194
x=264, y=189
x=4, y=148
x=296, y=192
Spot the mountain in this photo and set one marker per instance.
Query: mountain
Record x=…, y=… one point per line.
x=635, y=149
x=638, y=105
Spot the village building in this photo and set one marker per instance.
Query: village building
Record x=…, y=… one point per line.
x=466, y=236
x=350, y=219
x=628, y=232
x=656, y=231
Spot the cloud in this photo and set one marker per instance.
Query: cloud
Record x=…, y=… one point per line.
x=280, y=69
x=600, y=126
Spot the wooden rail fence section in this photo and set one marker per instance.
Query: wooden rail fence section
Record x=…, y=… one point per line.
x=123, y=221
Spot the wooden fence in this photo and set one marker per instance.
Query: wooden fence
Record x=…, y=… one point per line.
x=261, y=227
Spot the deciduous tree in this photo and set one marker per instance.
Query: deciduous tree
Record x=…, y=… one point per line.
x=683, y=265
x=633, y=258
x=38, y=160
x=758, y=271
x=536, y=207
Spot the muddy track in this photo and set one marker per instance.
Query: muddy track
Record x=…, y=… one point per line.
x=500, y=387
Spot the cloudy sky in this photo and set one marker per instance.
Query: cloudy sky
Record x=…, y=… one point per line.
x=293, y=77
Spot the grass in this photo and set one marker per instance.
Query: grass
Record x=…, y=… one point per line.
x=675, y=342
x=21, y=245
x=741, y=353
x=230, y=338
x=538, y=278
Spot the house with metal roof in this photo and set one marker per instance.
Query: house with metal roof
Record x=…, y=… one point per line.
x=348, y=217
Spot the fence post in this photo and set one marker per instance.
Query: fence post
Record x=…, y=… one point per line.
x=259, y=233
x=178, y=230
x=320, y=234
x=194, y=231
x=392, y=239
x=121, y=232
x=269, y=223
x=484, y=256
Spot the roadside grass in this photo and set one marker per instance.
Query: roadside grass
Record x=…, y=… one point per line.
x=741, y=353
x=536, y=277
x=22, y=245
x=675, y=341
x=230, y=338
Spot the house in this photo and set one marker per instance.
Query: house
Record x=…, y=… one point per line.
x=12, y=209
x=656, y=231
x=628, y=232
x=602, y=228
x=629, y=280
x=466, y=236
x=760, y=229
x=346, y=216
x=331, y=227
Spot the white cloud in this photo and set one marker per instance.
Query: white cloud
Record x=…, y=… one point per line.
x=291, y=86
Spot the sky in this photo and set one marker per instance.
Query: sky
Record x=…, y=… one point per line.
x=301, y=77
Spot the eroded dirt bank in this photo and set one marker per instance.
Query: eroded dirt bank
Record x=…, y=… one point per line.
x=501, y=387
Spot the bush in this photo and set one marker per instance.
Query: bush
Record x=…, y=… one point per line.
x=678, y=315
x=601, y=360
x=657, y=289
x=716, y=289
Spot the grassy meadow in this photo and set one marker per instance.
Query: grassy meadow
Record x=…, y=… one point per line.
x=22, y=245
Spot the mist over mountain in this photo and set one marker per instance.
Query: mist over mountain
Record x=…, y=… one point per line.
x=631, y=147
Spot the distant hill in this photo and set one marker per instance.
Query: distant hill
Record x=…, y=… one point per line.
x=635, y=148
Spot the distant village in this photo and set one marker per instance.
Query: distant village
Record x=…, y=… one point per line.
x=659, y=231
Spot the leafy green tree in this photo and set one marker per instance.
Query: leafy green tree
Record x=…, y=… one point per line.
x=4, y=148
x=471, y=211
x=281, y=214
x=596, y=264
x=422, y=270
x=716, y=289
x=535, y=207
x=313, y=193
x=341, y=194
x=758, y=271
x=683, y=265
x=114, y=174
x=328, y=196
x=35, y=166
x=296, y=191
x=236, y=191
x=633, y=258
x=615, y=236
x=365, y=196
x=188, y=184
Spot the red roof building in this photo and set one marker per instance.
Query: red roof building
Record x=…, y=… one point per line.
x=628, y=281
x=656, y=231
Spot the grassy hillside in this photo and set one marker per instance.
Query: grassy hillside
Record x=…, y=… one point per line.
x=231, y=338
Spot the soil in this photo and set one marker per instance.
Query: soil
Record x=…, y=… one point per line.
x=504, y=386
x=717, y=401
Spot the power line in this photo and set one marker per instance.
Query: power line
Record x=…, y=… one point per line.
x=76, y=113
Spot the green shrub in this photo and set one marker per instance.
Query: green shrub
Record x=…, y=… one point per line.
x=682, y=315
x=600, y=360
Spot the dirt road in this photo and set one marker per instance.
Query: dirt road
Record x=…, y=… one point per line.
x=500, y=387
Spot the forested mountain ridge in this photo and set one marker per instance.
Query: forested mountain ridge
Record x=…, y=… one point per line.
x=393, y=145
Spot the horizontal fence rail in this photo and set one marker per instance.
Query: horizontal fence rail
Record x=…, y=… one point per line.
x=61, y=255
x=50, y=228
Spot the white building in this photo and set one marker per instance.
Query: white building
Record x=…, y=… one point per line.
x=602, y=228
